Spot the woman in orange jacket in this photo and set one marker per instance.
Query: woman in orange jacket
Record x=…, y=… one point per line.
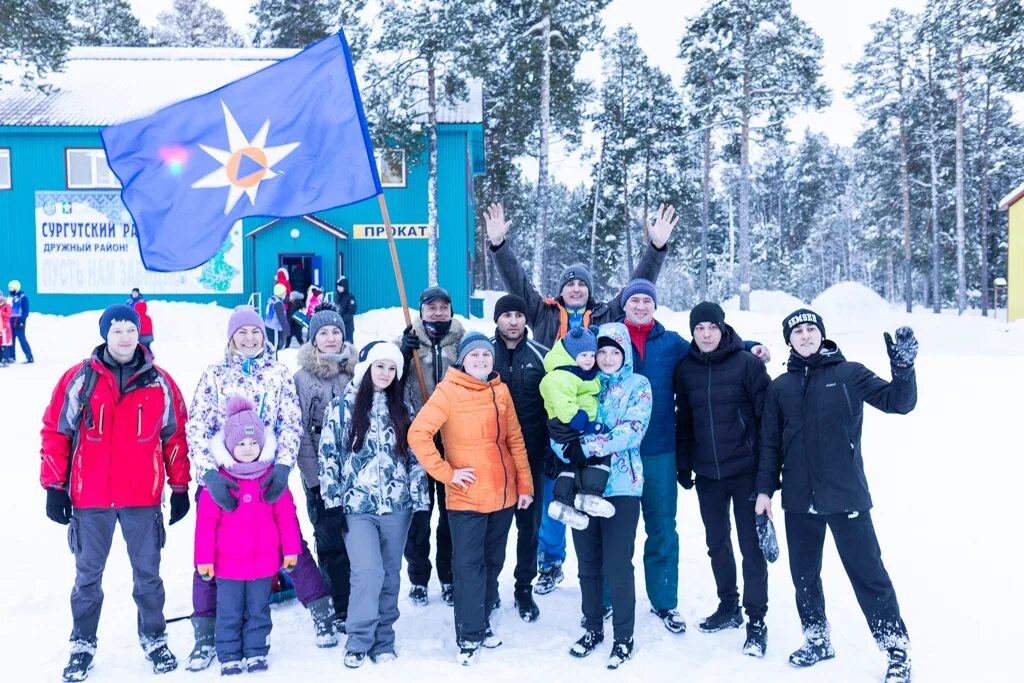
x=486, y=476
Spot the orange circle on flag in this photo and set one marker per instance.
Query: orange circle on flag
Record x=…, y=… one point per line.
x=256, y=155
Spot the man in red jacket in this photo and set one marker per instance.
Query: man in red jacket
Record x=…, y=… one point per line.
x=114, y=429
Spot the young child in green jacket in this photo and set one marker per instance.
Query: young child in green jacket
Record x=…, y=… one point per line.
x=570, y=390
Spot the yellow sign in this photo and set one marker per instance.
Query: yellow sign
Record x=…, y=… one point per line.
x=376, y=231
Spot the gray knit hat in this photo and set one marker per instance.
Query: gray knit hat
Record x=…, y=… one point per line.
x=576, y=271
x=325, y=314
x=473, y=340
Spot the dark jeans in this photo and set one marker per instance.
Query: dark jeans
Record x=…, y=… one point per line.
x=857, y=544
x=715, y=497
x=19, y=334
x=605, y=549
x=331, y=555
x=479, y=540
x=89, y=536
x=243, y=622
x=528, y=531
x=417, y=548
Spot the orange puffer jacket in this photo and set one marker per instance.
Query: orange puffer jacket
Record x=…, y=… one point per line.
x=479, y=428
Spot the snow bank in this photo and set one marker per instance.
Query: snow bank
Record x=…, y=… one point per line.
x=766, y=301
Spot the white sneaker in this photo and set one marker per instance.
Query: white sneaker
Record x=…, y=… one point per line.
x=468, y=653
x=569, y=516
x=595, y=506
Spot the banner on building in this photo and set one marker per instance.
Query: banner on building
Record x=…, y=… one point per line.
x=86, y=244
x=376, y=231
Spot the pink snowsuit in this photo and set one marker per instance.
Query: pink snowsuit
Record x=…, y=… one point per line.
x=251, y=542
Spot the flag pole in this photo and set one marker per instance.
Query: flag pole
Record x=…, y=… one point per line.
x=401, y=288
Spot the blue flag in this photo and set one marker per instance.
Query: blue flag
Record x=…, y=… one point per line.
x=288, y=140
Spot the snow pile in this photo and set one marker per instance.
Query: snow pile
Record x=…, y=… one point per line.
x=765, y=301
x=851, y=301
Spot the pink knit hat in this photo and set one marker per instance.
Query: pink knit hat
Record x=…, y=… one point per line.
x=242, y=423
x=242, y=316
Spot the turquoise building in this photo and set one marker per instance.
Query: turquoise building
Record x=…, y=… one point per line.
x=69, y=240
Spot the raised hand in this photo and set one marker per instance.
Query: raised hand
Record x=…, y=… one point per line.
x=497, y=226
x=903, y=351
x=661, y=225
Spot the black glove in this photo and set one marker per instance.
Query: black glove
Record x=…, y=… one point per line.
x=766, y=537
x=903, y=351
x=574, y=454
x=685, y=479
x=552, y=467
x=58, y=505
x=276, y=483
x=410, y=342
x=180, y=505
x=220, y=488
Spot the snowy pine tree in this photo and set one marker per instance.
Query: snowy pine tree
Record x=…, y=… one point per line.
x=291, y=23
x=34, y=39
x=195, y=23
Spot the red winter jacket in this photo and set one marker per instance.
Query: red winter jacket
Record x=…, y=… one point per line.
x=145, y=322
x=127, y=443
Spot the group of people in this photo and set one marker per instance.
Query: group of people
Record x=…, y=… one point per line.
x=287, y=312
x=14, y=310
x=592, y=423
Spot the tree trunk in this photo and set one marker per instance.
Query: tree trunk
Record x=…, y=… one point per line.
x=705, y=215
x=983, y=207
x=542, y=170
x=647, y=194
x=625, y=219
x=890, y=277
x=432, y=178
x=597, y=203
x=961, y=273
x=933, y=165
x=745, y=195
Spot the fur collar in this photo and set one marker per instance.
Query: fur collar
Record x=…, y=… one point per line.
x=223, y=459
x=318, y=366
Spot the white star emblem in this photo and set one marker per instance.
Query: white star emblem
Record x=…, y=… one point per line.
x=257, y=157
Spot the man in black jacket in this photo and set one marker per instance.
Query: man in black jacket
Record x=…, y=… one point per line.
x=346, y=303
x=519, y=361
x=719, y=395
x=811, y=433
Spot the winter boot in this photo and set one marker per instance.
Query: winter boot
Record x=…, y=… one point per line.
x=817, y=647
x=568, y=515
x=757, y=639
x=673, y=621
x=766, y=538
x=256, y=664
x=157, y=652
x=469, y=653
x=725, y=617
x=595, y=506
x=621, y=651
x=340, y=623
x=418, y=595
x=490, y=641
x=354, y=660
x=899, y=666
x=234, y=668
x=384, y=657
x=528, y=610
x=322, y=612
x=587, y=644
x=203, y=651
x=549, y=577
x=80, y=662
x=447, y=594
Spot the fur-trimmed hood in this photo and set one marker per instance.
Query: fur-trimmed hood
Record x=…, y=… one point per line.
x=311, y=360
x=219, y=450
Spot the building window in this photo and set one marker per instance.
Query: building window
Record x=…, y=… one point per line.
x=391, y=166
x=5, y=168
x=87, y=169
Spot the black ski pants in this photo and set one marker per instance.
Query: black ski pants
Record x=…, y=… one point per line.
x=857, y=544
x=715, y=497
x=331, y=555
x=479, y=539
x=417, y=548
x=528, y=531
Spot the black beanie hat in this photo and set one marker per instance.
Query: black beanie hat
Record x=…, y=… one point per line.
x=608, y=341
x=509, y=302
x=707, y=312
x=799, y=317
x=117, y=313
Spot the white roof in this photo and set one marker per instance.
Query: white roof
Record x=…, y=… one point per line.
x=101, y=86
x=1011, y=198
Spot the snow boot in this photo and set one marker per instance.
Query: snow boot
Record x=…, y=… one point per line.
x=595, y=506
x=725, y=617
x=469, y=653
x=549, y=578
x=354, y=660
x=899, y=666
x=757, y=639
x=257, y=664
x=159, y=655
x=203, y=651
x=587, y=644
x=528, y=610
x=568, y=515
x=490, y=641
x=621, y=651
x=766, y=538
x=448, y=594
x=816, y=648
x=383, y=657
x=234, y=668
x=673, y=621
x=340, y=621
x=80, y=662
x=322, y=612
x=418, y=595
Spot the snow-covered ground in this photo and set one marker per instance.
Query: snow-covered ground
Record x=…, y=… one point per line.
x=945, y=481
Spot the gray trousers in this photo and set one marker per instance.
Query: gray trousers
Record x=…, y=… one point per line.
x=243, y=619
x=89, y=536
x=375, y=544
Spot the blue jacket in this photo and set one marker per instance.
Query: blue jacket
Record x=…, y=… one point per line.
x=19, y=308
x=662, y=352
x=625, y=406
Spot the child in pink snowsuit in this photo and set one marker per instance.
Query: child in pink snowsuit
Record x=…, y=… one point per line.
x=6, y=333
x=245, y=548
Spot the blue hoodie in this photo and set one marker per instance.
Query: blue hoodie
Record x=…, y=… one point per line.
x=625, y=406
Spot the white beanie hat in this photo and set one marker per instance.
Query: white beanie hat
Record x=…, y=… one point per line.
x=378, y=350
